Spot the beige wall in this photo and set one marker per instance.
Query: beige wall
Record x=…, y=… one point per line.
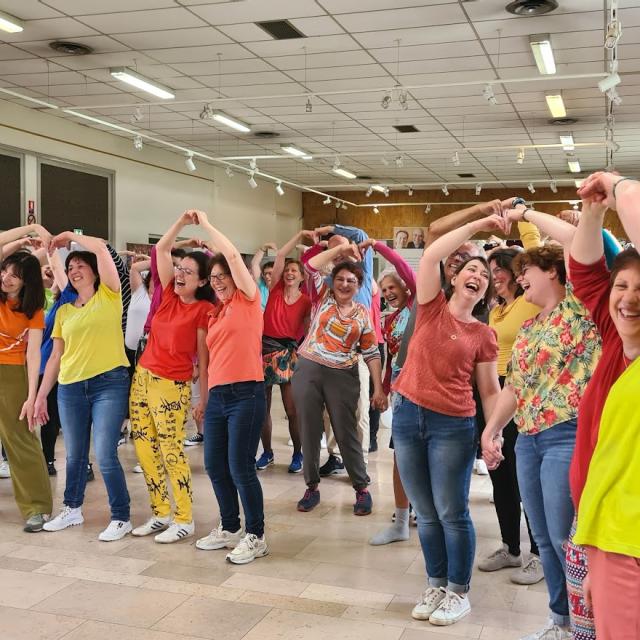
x=152, y=186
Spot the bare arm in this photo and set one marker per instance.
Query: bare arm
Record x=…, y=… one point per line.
x=49, y=379
x=135, y=273
x=551, y=226
x=239, y=272
x=281, y=256
x=33, y=371
x=504, y=410
x=378, y=398
x=587, y=246
x=488, y=385
x=59, y=273
x=16, y=234
x=257, y=259
x=203, y=365
x=16, y=245
x=164, y=263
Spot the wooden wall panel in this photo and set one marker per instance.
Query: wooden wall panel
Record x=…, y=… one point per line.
x=397, y=210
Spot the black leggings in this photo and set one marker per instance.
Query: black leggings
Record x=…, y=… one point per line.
x=374, y=414
x=50, y=430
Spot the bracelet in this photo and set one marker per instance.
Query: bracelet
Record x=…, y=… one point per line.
x=524, y=213
x=615, y=186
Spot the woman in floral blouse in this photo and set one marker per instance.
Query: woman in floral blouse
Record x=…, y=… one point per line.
x=554, y=355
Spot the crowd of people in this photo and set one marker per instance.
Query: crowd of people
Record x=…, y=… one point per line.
x=531, y=351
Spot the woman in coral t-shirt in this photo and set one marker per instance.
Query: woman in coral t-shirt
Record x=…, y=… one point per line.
x=434, y=432
x=21, y=323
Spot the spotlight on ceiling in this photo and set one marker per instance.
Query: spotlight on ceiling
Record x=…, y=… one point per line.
x=253, y=165
x=376, y=210
x=410, y=191
x=137, y=143
x=279, y=189
x=427, y=209
x=488, y=95
x=344, y=205
x=386, y=100
x=403, y=99
x=191, y=165
x=136, y=116
x=384, y=161
x=337, y=204
x=308, y=107
x=553, y=186
x=327, y=200
x=207, y=112
x=520, y=156
x=455, y=158
x=478, y=189
x=399, y=162
x=445, y=189
x=531, y=188
x=229, y=171
x=252, y=181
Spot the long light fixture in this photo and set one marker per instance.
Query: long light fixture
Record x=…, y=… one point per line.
x=379, y=188
x=578, y=182
x=556, y=105
x=292, y=150
x=344, y=173
x=140, y=82
x=574, y=166
x=543, y=53
x=10, y=24
x=566, y=139
x=230, y=122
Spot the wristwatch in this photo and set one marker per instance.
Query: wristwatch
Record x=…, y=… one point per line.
x=516, y=201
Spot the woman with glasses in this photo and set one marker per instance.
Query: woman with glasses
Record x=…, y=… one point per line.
x=327, y=373
x=21, y=323
x=161, y=389
x=236, y=406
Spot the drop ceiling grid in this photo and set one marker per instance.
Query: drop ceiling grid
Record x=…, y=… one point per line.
x=447, y=110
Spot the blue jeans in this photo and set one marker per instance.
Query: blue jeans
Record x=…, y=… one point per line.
x=232, y=426
x=103, y=402
x=542, y=462
x=435, y=455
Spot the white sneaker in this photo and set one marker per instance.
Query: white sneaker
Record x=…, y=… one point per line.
x=248, y=549
x=290, y=442
x=68, y=517
x=429, y=602
x=219, y=539
x=531, y=572
x=152, y=525
x=323, y=442
x=177, y=531
x=550, y=632
x=116, y=530
x=499, y=559
x=137, y=469
x=480, y=467
x=454, y=607
x=5, y=471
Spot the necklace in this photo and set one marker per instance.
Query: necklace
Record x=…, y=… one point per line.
x=626, y=361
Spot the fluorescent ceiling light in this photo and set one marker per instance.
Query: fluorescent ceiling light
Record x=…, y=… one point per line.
x=574, y=166
x=578, y=182
x=10, y=24
x=556, y=105
x=15, y=94
x=140, y=82
x=295, y=151
x=543, y=53
x=567, y=142
x=223, y=118
x=344, y=173
x=378, y=187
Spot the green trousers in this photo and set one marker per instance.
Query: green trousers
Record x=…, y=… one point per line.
x=29, y=475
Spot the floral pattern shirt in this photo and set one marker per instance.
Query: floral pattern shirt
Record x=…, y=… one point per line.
x=552, y=362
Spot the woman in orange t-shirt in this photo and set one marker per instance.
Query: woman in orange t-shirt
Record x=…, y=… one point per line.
x=236, y=406
x=21, y=324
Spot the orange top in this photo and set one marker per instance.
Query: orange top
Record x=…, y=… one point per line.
x=14, y=329
x=235, y=341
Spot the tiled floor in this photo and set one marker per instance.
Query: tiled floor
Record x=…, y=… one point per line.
x=321, y=580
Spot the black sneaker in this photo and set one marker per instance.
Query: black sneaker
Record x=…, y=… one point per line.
x=90, y=474
x=364, y=503
x=195, y=439
x=310, y=500
x=51, y=469
x=333, y=466
x=373, y=446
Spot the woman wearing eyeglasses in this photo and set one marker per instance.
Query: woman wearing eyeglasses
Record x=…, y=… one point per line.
x=327, y=373
x=161, y=389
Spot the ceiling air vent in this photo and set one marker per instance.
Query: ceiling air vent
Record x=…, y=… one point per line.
x=405, y=128
x=266, y=134
x=368, y=178
x=280, y=29
x=563, y=121
x=531, y=7
x=466, y=175
x=70, y=48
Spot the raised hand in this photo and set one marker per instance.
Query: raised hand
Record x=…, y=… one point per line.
x=61, y=240
x=593, y=208
x=352, y=252
x=598, y=187
x=369, y=242
x=570, y=215
x=270, y=245
x=199, y=217
x=493, y=223
x=322, y=231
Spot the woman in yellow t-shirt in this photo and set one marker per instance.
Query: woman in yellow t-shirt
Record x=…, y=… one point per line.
x=21, y=325
x=90, y=364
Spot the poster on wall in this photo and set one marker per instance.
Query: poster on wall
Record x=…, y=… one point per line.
x=409, y=237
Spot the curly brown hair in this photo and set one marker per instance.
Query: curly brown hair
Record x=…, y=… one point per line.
x=545, y=257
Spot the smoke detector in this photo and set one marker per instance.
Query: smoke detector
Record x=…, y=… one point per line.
x=531, y=7
x=70, y=48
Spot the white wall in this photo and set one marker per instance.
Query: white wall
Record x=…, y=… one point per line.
x=152, y=187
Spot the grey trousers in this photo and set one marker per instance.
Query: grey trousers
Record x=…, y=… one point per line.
x=314, y=387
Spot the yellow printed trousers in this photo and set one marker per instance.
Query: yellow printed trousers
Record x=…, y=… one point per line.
x=158, y=411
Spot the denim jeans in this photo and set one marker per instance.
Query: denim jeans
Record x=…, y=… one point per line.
x=435, y=454
x=100, y=401
x=232, y=426
x=542, y=462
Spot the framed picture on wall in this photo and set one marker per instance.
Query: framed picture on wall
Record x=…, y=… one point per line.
x=409, y=237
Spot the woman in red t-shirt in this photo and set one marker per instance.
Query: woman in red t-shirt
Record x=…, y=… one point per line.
x=433, y=417
x=285, y=319
x=21, y=324
x=161, y=387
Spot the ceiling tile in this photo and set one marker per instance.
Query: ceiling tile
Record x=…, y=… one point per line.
x=136, y=21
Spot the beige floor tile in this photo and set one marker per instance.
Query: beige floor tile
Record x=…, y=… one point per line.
x=18, y=624
x=215, y=619
x=527, y=601
x=277, y=586
x=215, y=574
x=19, y=564
x=454, y=632
x=92, y=630
x=344, y=595
x=111, y=603
x=193, y=589
x=289, y=625
x=94, y=575
x=292, y=603
x=277, y=566
x=7, y=547
x=20, y=589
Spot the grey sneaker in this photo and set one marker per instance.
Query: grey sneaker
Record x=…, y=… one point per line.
x=550, y=632
x=500, y=559
x=531, y=572
x=35, y=523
